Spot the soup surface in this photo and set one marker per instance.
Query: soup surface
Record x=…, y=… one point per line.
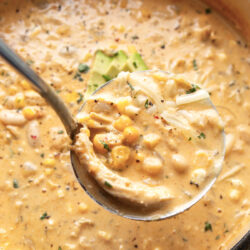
x=42, y=206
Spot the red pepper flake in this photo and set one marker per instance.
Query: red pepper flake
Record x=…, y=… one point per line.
x=117, y=40
x=156, y=117
x=33, y=137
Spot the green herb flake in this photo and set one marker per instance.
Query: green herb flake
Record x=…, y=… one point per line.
x=79, y=100
x=131, y=86
x=217, y=237
x=15, y=184
x=106, y=78
x=60, y=132
x=146, y=104
x=135, y=65
x=195, y=65
x=44, y=216
x=208, y=11
x=106, y=183
x=201, y=136
x=78, y=77
x=208, y=227
x=193, y=89
x=83, y=68
x=42, y=155
x=106, y=146
x=59, y=248
x=190, y=138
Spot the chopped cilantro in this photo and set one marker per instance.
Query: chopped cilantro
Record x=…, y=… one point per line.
x=44, y=216
x=15, y=184
x=130, y=85
x=146, y=104
x=83, y=68
x=106, y=78
x=106, y=183
x=193, y=89
x=195, y=65
x=60, y=132
x=78, y=77
x=135, y=37
x=190, y=138
x=217, y=237
x=135, y=65
x=59, y=248
x=208, y=11
x=208, y=227
x=42, y=155
x=106, y=146
x=80, y=97
x=202, y=136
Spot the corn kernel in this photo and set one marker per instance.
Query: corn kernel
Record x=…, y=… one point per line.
x=12, y=90
x=104, y=235
x=152, y=165
x=131, y=49
x=60, y=193
x=19, y=101
x=87, y=57
x=121, y=28
x=25, y=85
x=151, y=140
x=202, y=160
x=113, y=46
x=122, y=104
x=179, y=162
x=48, y=171
x=71, y=97
x=222, y=56
x=122, y=122
x=103, y=142
x=234, y=195
x=29, y=113
x=131, y=134
x=49, y=162
x=120, y=156
x=83, y=207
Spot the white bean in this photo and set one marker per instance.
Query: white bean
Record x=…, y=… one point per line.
x=33, y=133
x=29, y=168
x=12, y=117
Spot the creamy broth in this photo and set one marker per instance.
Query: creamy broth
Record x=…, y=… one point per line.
x=42, y=205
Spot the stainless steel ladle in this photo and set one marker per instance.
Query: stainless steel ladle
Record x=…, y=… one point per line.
x=87, y=182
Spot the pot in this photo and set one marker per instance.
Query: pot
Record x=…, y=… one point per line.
x=237, y=13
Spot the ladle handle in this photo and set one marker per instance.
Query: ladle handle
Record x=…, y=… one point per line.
x=40, y=86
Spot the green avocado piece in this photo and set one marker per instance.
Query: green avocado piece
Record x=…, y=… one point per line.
x=98, y=73
x=95, y=80
x=102, y=62
x=119, y=60
x=135, y=63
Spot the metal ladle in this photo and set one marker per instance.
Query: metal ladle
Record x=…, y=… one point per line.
x=72, y=127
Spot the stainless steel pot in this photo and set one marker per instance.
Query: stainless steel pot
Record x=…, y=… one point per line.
x=238, y=13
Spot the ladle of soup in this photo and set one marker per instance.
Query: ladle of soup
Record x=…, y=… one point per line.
x=146, y=145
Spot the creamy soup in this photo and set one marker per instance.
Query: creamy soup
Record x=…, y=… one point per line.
x=151, y=138
x=42, y=204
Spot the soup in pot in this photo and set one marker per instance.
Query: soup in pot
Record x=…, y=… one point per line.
x=42, y=206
